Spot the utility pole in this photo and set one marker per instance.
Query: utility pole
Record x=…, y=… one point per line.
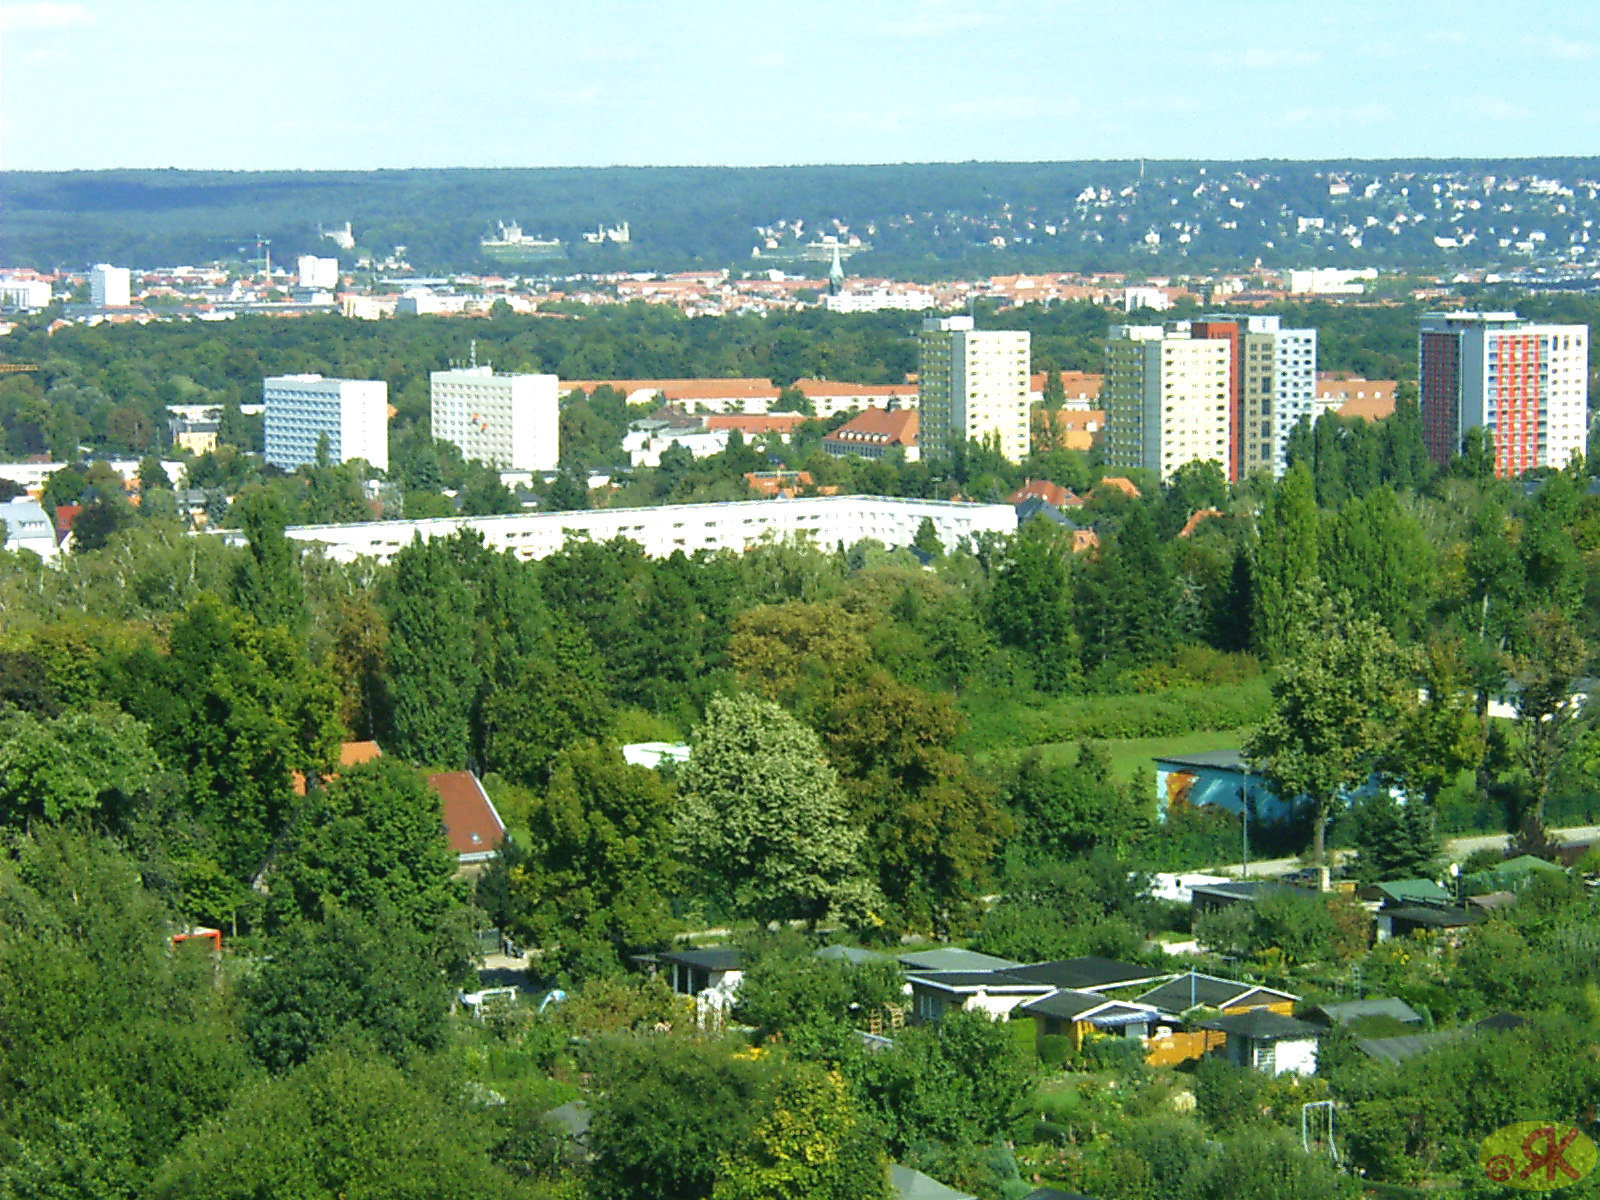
x=1244, y=818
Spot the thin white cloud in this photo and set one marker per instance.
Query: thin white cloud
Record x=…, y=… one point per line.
x=31, y=18
x=1565, y=49
x=1371, y=113
x=1493, y=108
x=1446, y=37
x=932, y=21
x=1268, y=58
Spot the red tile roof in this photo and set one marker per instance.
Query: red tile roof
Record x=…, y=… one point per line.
x=474, y=827
x=834, y=387
x=351, y=754
x=1121, y=484
x=1193, y=523
x=875, y=427
x=756, y=422
x=1041, y=489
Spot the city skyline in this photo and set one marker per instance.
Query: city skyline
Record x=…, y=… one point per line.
x=130, y=83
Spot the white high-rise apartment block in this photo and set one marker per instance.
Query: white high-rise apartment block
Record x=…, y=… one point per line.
x=508, y=421
x=1525, y=384
x=1278, y=390
x=973, y=387
x=300, y=410
x=1166, y=396
x=319, y=273
x=110, y=287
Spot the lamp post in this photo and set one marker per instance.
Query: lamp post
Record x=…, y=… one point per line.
x=1244, y=819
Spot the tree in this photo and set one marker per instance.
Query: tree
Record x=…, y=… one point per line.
x=371, y=840
x=597, y=872
x=1285, y=558
x=1030, y=605
x=666, y=1111
x=1550, y=658
x=566, y=493
x=560, y=699
x=236, y=708
x=1379, y=555
x=1128, y=611
x=343, y=1125
x=351, y=977
x=1340, y=690
x=115, y=1041
x=1438, y=735
x=75, y=764
x=808, y=1143
x=932, y=825
x=764, y=819
x=927, y=539
x=434, y=674
x=266, y=581
x=960, y=1081
x=1394, y=841
x=1196, y=485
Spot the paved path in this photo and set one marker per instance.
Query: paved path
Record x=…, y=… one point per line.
x=1455, y=848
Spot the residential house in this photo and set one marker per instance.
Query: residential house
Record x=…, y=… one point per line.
x=1411, y=918
x=952, y=958
x=1083, y=537
x=714, y=968
x=1177, y=996
x=471, y=821
x=1068, y=1012
x=1042, y=489
x=935, y=993
x=1361, y=1012
x=1268, y=1041
x=1210, y=897
x=27, y=526
x=873, y=433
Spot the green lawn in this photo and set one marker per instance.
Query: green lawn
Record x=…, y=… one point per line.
x=1133, y=754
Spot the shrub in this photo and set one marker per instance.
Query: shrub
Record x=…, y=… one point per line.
x=1054, y=1050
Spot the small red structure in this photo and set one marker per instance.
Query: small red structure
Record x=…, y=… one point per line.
x=214, y=936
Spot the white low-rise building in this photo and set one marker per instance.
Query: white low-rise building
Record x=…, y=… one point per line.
x=28, y=294
x=735, y=525
x=645, y=445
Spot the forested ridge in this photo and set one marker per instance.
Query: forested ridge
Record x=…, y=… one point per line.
x=915, y=219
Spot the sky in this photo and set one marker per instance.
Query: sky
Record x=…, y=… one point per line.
x=360, y=84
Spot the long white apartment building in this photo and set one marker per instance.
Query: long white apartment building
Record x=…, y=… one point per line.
x=1166, y=396
x=973, y=386
x=507, y=421
x=736, y=525
x=300, y=410
x=1526, y=385
x=110, y=287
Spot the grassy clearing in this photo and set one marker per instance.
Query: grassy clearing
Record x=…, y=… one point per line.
x=1130, y=755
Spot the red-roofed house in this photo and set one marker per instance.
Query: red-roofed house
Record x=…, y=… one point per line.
x=830, y=397
x=470, y=820
x=1042, y=489
x=870, y=434
x=1080, y=389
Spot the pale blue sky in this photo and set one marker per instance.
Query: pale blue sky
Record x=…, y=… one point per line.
x=431, y=83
